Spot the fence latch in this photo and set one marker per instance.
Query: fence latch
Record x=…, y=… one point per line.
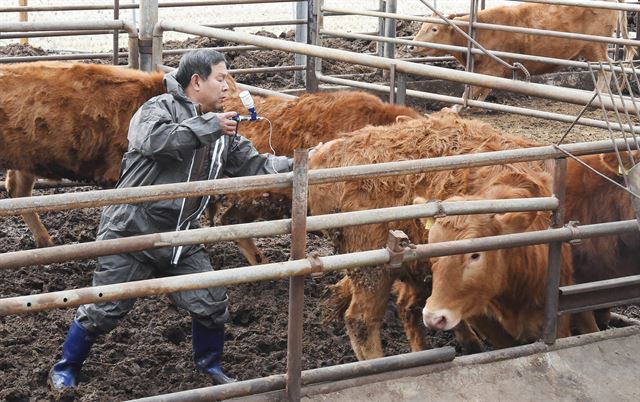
x=397, y=244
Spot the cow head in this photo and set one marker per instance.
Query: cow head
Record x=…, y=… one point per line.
x=467, y=285
x=433, y=33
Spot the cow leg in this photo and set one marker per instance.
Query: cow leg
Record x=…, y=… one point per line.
x=370, y=294
x=411, y=300
x=583, y=323
x=467, y=338
x=20, y=184
x=247, y=247
x=251, y=252
x=603, y=316
x=476, y=93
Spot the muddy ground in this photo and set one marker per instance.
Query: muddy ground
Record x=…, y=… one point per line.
x=150, y=352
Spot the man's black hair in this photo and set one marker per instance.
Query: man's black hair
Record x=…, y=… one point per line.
x=199, y=62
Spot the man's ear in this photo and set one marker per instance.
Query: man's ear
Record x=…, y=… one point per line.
x=195, y=82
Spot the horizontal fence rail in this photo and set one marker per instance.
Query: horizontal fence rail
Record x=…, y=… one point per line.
x=63, y=253
x=494, y=27
x=58, y=202
x=109, y=6
x=315, y=265
x=565, y=118
x=539, y=90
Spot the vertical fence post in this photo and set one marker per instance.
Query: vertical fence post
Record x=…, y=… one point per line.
x=555, y=256
x=296, y=284
x=390, y=30
x=24, y=17
x=116, y=32
x=382, y=4
x=148, y=19
x=314, y=24
x=301, y=12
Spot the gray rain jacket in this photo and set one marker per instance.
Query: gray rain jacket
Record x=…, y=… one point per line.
x=170, y=143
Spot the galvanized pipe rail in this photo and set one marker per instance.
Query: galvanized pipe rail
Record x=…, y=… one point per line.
x=380, y=367
x=316, y=265
x=49, y=255
x=463, y=49
x=107, y=6
x=81, y=26
x=587, y=4
x=493, y=27
x=539, y=90
x=565, y=118
x=57, y=202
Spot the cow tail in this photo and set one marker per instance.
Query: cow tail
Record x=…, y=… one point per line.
x=336, y=300
x=630, y=51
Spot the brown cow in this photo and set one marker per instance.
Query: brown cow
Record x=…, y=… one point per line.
x=64, y=120
x=300, y=123
x=500, y=293
x=590, y=200
x=590, y=21
x=509, y=295
x=70, y=120
x=362, y=295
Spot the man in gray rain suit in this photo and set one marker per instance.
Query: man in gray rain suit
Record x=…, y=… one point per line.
x=175, y=137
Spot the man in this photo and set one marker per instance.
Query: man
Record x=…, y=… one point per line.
x=176, y=137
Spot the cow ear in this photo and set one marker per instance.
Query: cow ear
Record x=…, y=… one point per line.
x=611, y=166
x=515, y=222
x=427, y=221
x=402, y=117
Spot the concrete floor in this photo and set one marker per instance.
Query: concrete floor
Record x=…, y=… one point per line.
x=596, y=367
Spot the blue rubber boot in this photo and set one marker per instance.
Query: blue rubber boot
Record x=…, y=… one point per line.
x=75, y=350
x=207, y=352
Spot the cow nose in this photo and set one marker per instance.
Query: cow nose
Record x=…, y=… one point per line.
x=435, y=321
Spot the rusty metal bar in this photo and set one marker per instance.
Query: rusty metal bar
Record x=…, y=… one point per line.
x=486, y=105
x=116, y=16
x=274, y=271
x=242, y=184
x=539, y=90
x=89, y=7
x=382, y=367
x=555, y=256
x=68, y=252
x=475, y=359
x=462, y=49
x=24, y=16
x=599, y=295
x=589, y=4
x=81, y=26
x=494, y=27
x=296, y=283
x=44, y=34
x=392, y=83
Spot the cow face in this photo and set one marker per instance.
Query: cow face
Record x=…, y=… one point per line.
x=433, y=33
x=466, y=286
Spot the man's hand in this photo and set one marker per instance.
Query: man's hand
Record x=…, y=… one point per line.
x=227, y=125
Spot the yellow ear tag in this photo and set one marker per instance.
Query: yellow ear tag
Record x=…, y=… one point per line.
x=622, y=170
x=428, y=223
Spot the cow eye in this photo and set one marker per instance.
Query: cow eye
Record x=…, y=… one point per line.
x=434, y=29
x=475, y=256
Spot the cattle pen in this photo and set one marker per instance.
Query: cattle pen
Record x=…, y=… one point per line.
x=145, y=50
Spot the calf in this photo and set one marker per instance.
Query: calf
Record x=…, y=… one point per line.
x=303, y=122
x=62, y=120
x=500, y=293
x=589, y=21
x=363, y=294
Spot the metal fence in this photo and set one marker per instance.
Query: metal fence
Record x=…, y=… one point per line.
x=149, y=43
